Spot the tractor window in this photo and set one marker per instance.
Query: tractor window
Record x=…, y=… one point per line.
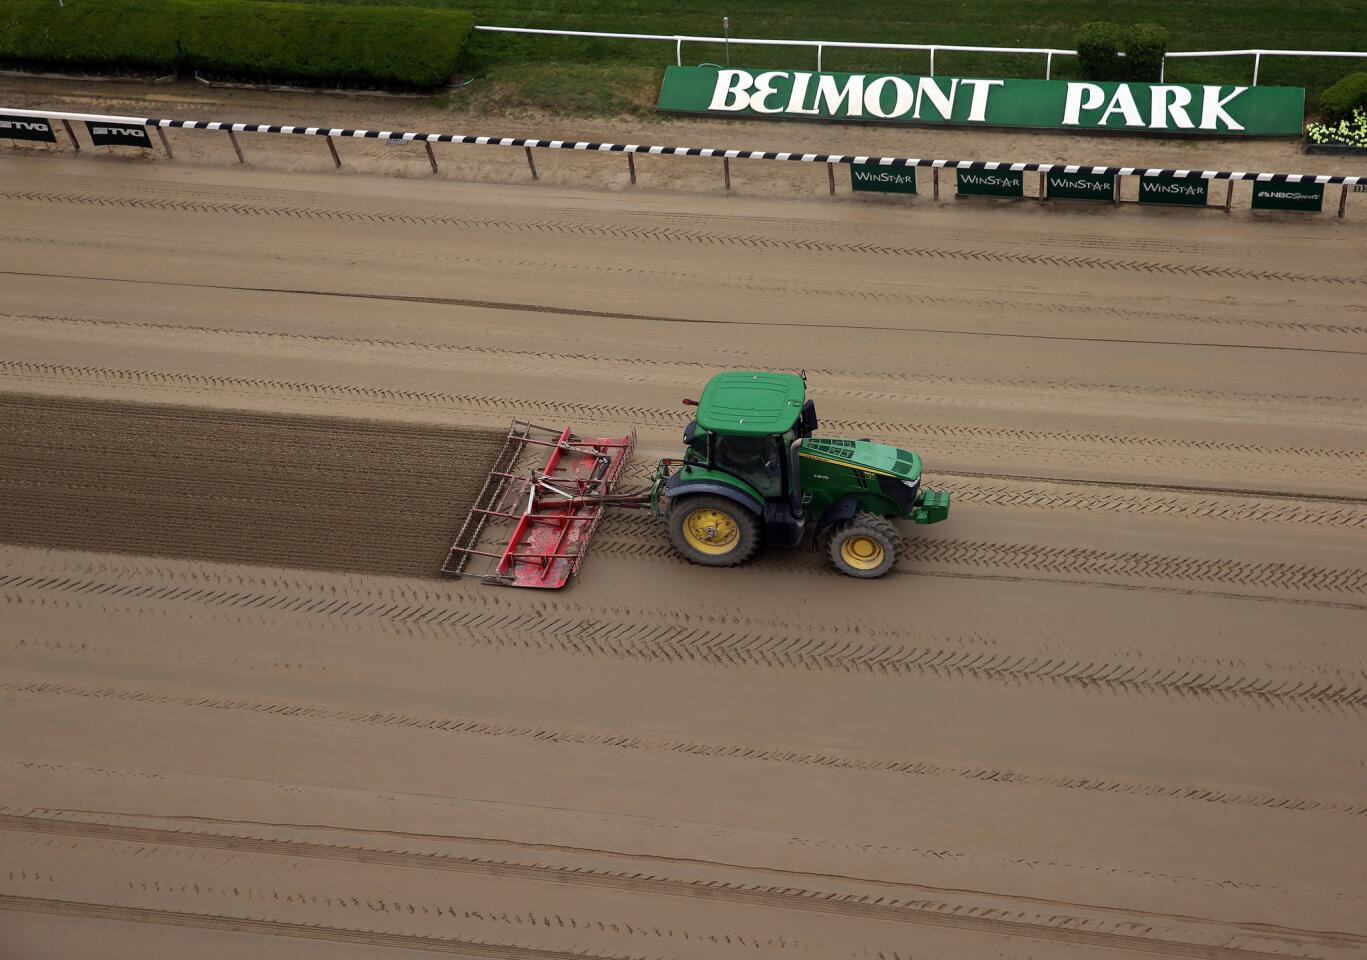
x=753, y=458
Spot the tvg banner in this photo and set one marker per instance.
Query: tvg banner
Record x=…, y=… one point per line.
x=1158, y=108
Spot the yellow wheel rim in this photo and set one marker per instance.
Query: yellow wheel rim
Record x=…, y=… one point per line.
x=711, y=531
x=862, y=553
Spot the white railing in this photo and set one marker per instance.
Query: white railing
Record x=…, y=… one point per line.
x=820, y=45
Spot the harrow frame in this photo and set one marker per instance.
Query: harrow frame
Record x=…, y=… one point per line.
x=553, y=510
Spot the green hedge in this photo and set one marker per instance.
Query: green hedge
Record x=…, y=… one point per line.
x=355, y=44
x=1142, y=43
x=98, y=35
x=326, y=44
x=1340, y=100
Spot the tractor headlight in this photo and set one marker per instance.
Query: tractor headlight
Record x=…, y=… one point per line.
x=913, y=484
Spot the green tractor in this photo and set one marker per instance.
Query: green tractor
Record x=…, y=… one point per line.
x=752, y=473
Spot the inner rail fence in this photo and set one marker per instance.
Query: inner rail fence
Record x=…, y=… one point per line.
x=109, y=130
x=1049, y=53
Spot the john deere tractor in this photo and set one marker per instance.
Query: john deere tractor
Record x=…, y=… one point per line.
x=753, y=474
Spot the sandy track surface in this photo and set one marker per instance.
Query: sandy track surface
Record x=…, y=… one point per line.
x=1115, y=703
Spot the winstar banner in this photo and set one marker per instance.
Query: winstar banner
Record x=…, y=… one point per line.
x=1158, y=108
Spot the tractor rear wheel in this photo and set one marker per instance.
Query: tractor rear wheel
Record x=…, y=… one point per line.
x=713, y=531
x=865, y=546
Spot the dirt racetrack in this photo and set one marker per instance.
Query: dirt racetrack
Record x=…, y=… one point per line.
x=205, y=484
x=1114, y=706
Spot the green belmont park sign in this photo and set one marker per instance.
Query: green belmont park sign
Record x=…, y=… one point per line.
x=1159, y=108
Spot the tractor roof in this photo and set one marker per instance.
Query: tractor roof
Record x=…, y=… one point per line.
x=745, y=403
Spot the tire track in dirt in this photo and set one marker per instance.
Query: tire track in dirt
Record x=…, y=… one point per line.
x=1051, y=924
x=92, y=823
x=553, y=363
x=304, y=931
x=656, y=234
x=1350, y=463
x=732, y=752
x=861, y=295
x=730, y=640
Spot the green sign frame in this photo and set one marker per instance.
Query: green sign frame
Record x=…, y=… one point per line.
x=1306, y=197
x=882, y=178
x=1083, y=185
x=1174, y=191
x=990, y=183
x=1181, y=109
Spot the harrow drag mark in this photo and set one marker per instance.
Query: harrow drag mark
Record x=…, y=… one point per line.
x=259, y=488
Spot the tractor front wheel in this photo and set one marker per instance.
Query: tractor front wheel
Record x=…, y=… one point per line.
x=713, y=531
x=865, y=546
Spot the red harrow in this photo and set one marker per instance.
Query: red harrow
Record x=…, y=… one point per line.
x=537, y=516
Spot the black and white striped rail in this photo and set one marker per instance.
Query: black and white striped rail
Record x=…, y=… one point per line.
x=527, y=143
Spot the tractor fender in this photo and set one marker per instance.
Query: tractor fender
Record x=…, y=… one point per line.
x=674, y=490
x=842, y=509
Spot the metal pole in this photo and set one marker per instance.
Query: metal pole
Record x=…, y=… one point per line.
x=631, y=166
x=1115, y=190
x=818, y=57
x=332, y=148
x=237, y=148
x=72, y=134
x=726, y=171
x=1343, y=201
x=431, y=157
x=678, y=51
x=1162, y=68
x=165, y=144
x=830, y=177
x=1257, y=61
x=1229, y=195
x=935, y=180
x=1048, y=64
x=932, y=61
x=726, y=27
x=531, y=163
x=1042, y=195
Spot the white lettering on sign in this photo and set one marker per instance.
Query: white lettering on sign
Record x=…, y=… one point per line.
x=1168, y=107
x=884, y=176
x=729, y=93
x=928, y=89
x=764, y=89
x=33, y=125
x=1213, y=109
x=831, y=98
x=977, y=110
x=987, y=180
x=1074, y=102
x=1169, y=103
x=873, y=97
x=1178, y=188
x=121, y=132
x=1122, y=102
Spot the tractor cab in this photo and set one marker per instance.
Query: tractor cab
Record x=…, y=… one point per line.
x=751, y=473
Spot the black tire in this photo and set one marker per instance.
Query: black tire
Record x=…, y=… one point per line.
x=865, y=546
x=735, y=530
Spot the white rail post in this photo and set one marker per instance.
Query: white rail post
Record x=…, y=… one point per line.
x=1048, y=64
x=1257, y=60
x=678, y=51
x=819, y=47
x=531, y=163
x=1162, y=68
x=237, y=148
x=165, y=144
x=932, y=61
x=72, y=134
